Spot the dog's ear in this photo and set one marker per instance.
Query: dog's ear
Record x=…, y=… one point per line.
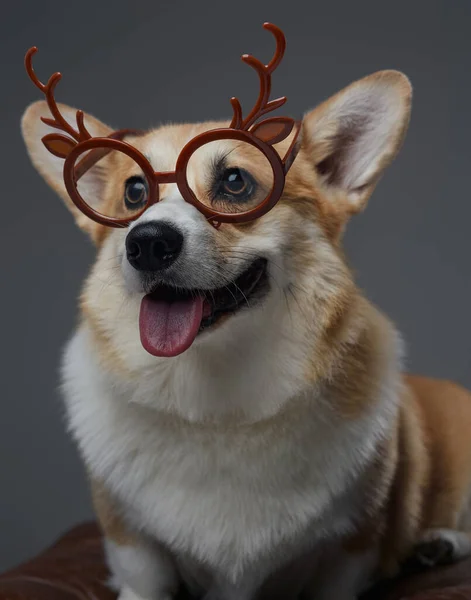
x=48, y=157
x=355, y=134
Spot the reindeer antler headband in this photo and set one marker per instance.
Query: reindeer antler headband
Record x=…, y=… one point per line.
x=84, y=153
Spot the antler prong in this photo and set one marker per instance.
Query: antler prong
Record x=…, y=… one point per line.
x=29, y=68
x=265, y=88
x=277, y=103
x=53, y=81
x=271, y=106
x=81, y=125
x=237, y=118
x=48, y=89
x=50, y=122
x=280, y=46
x=262, y=106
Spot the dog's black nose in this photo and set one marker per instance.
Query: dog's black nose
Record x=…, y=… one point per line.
x=153, y=246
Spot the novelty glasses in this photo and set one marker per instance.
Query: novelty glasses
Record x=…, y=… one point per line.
x=248, y=174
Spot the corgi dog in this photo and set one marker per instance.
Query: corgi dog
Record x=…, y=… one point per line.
x=240, y=406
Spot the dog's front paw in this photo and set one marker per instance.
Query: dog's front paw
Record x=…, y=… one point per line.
x=435, y=552
x=128, y=594
x=440, y=547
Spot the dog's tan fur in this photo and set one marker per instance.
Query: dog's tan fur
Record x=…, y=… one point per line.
x=420, y=477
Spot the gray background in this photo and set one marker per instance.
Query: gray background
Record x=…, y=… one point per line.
x=135, y=64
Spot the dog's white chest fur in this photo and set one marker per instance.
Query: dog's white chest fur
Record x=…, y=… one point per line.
x=224, y=496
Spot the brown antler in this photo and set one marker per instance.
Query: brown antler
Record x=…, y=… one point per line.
x=58, y=122
x=262, y=106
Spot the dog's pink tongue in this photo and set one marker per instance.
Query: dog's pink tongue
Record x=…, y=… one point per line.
x=169, y=328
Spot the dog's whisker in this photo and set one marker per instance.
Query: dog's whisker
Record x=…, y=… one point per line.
x=231, y=293
x=245, y=297
x=111, y=269
x=230, y=252
x=212, y=296
x=117, y=257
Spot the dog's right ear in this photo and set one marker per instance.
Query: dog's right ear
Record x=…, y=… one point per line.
x=49, y=164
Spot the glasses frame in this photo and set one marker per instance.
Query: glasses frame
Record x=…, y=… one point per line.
x=74, y=170
x=262, y=134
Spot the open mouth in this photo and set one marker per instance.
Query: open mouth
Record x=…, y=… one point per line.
x=171, y=318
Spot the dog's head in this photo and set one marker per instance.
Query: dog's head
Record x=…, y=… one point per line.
x=178, y=280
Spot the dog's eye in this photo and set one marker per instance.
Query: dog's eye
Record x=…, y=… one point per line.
x=135, y=192
x=236, y=183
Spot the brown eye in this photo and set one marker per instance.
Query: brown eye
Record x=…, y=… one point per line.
x=236, y=183
x=135, y=193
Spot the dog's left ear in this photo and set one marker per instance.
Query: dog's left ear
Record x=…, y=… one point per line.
x=355, y=134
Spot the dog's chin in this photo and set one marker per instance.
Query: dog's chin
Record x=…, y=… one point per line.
x=171, y=317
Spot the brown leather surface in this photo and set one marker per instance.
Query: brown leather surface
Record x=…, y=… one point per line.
x=73, y=569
